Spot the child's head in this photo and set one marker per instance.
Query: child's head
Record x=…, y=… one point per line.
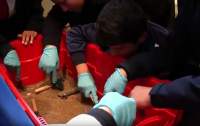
x=70, y=5
x=122, y=26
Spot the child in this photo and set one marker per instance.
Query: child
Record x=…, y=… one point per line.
x=22, y=19
x=74, y=12
x=121, y=26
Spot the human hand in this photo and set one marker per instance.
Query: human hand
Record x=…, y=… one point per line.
x=49, y=62
x=86, y=85
x=123, y=108
x=116, y=82
x=27, y=36
x=11, y=62
x=141, y=96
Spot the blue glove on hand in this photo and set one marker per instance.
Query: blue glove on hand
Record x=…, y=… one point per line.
x=123, y=108
x=86, y=85
x=11, y=62
x=49, y=62
x=116, y=83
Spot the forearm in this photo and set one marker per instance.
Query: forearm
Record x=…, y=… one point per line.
x=82, y=68
x=144, y=64
x=36, y=17
x=76, y=41
x=181, y=94
x=98, y=117
x=53, y=26
x=5, y=47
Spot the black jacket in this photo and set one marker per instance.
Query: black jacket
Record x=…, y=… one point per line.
x=182, y=56
x=28, y=16
x=79, y=35
x=57, y=19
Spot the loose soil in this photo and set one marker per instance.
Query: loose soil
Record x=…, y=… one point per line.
x=51, y=107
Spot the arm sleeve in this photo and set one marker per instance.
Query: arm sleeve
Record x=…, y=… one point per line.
x=182, y=94
x=76, y=41
x=5, y=47
x=145, y=63
x=161, y=58
x=96, y=117
x=36, y=17
x=54, y=24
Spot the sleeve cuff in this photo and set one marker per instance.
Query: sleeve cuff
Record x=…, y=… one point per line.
x=155, y=98
x=4, y=49
x=78, y=58
x=126, y=67
x=103, y=117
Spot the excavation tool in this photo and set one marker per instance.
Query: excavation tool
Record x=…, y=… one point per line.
x=35, y=108
x=65, y=94
x=58, y=85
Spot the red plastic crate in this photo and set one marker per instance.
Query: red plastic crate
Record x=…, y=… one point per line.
x=101, y=66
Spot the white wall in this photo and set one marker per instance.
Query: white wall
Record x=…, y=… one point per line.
x=47, y=5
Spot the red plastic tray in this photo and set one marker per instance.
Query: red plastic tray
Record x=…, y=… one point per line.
x=101, y=66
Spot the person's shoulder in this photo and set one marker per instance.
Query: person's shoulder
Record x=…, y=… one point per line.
x=157, y=28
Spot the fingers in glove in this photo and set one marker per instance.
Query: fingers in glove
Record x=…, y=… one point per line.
x=18, y=73
x=94, y=96
x=107, y=90
x=47, y=70
x=87, y=93
x=58, y=64
x=54, y=76
x=40, y=65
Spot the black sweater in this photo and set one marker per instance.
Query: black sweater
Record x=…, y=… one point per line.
x=28, y=16
x=57, y=19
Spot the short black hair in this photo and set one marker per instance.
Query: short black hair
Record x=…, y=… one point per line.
x=120, y=21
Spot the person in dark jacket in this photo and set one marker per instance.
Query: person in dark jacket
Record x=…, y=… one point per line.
x=121, y=26
x=18, y=19
x=161, y=12
x=181, y=56
x=74, y=12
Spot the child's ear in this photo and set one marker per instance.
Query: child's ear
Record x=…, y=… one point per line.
x=142, y=38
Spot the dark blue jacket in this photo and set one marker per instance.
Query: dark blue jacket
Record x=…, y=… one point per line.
x=79, y=35
x=182, y=55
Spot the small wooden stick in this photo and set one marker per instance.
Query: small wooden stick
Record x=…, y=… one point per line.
x=92, y=98
x=42, y=89
x=35, y=108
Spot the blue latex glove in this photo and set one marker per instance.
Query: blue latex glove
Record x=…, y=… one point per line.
x=86, y=85
x=116, y=83
x=123, y=108
x=11, y=62
x=49, y=62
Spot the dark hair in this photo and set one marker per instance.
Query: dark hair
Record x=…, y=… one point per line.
x=120, y=21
